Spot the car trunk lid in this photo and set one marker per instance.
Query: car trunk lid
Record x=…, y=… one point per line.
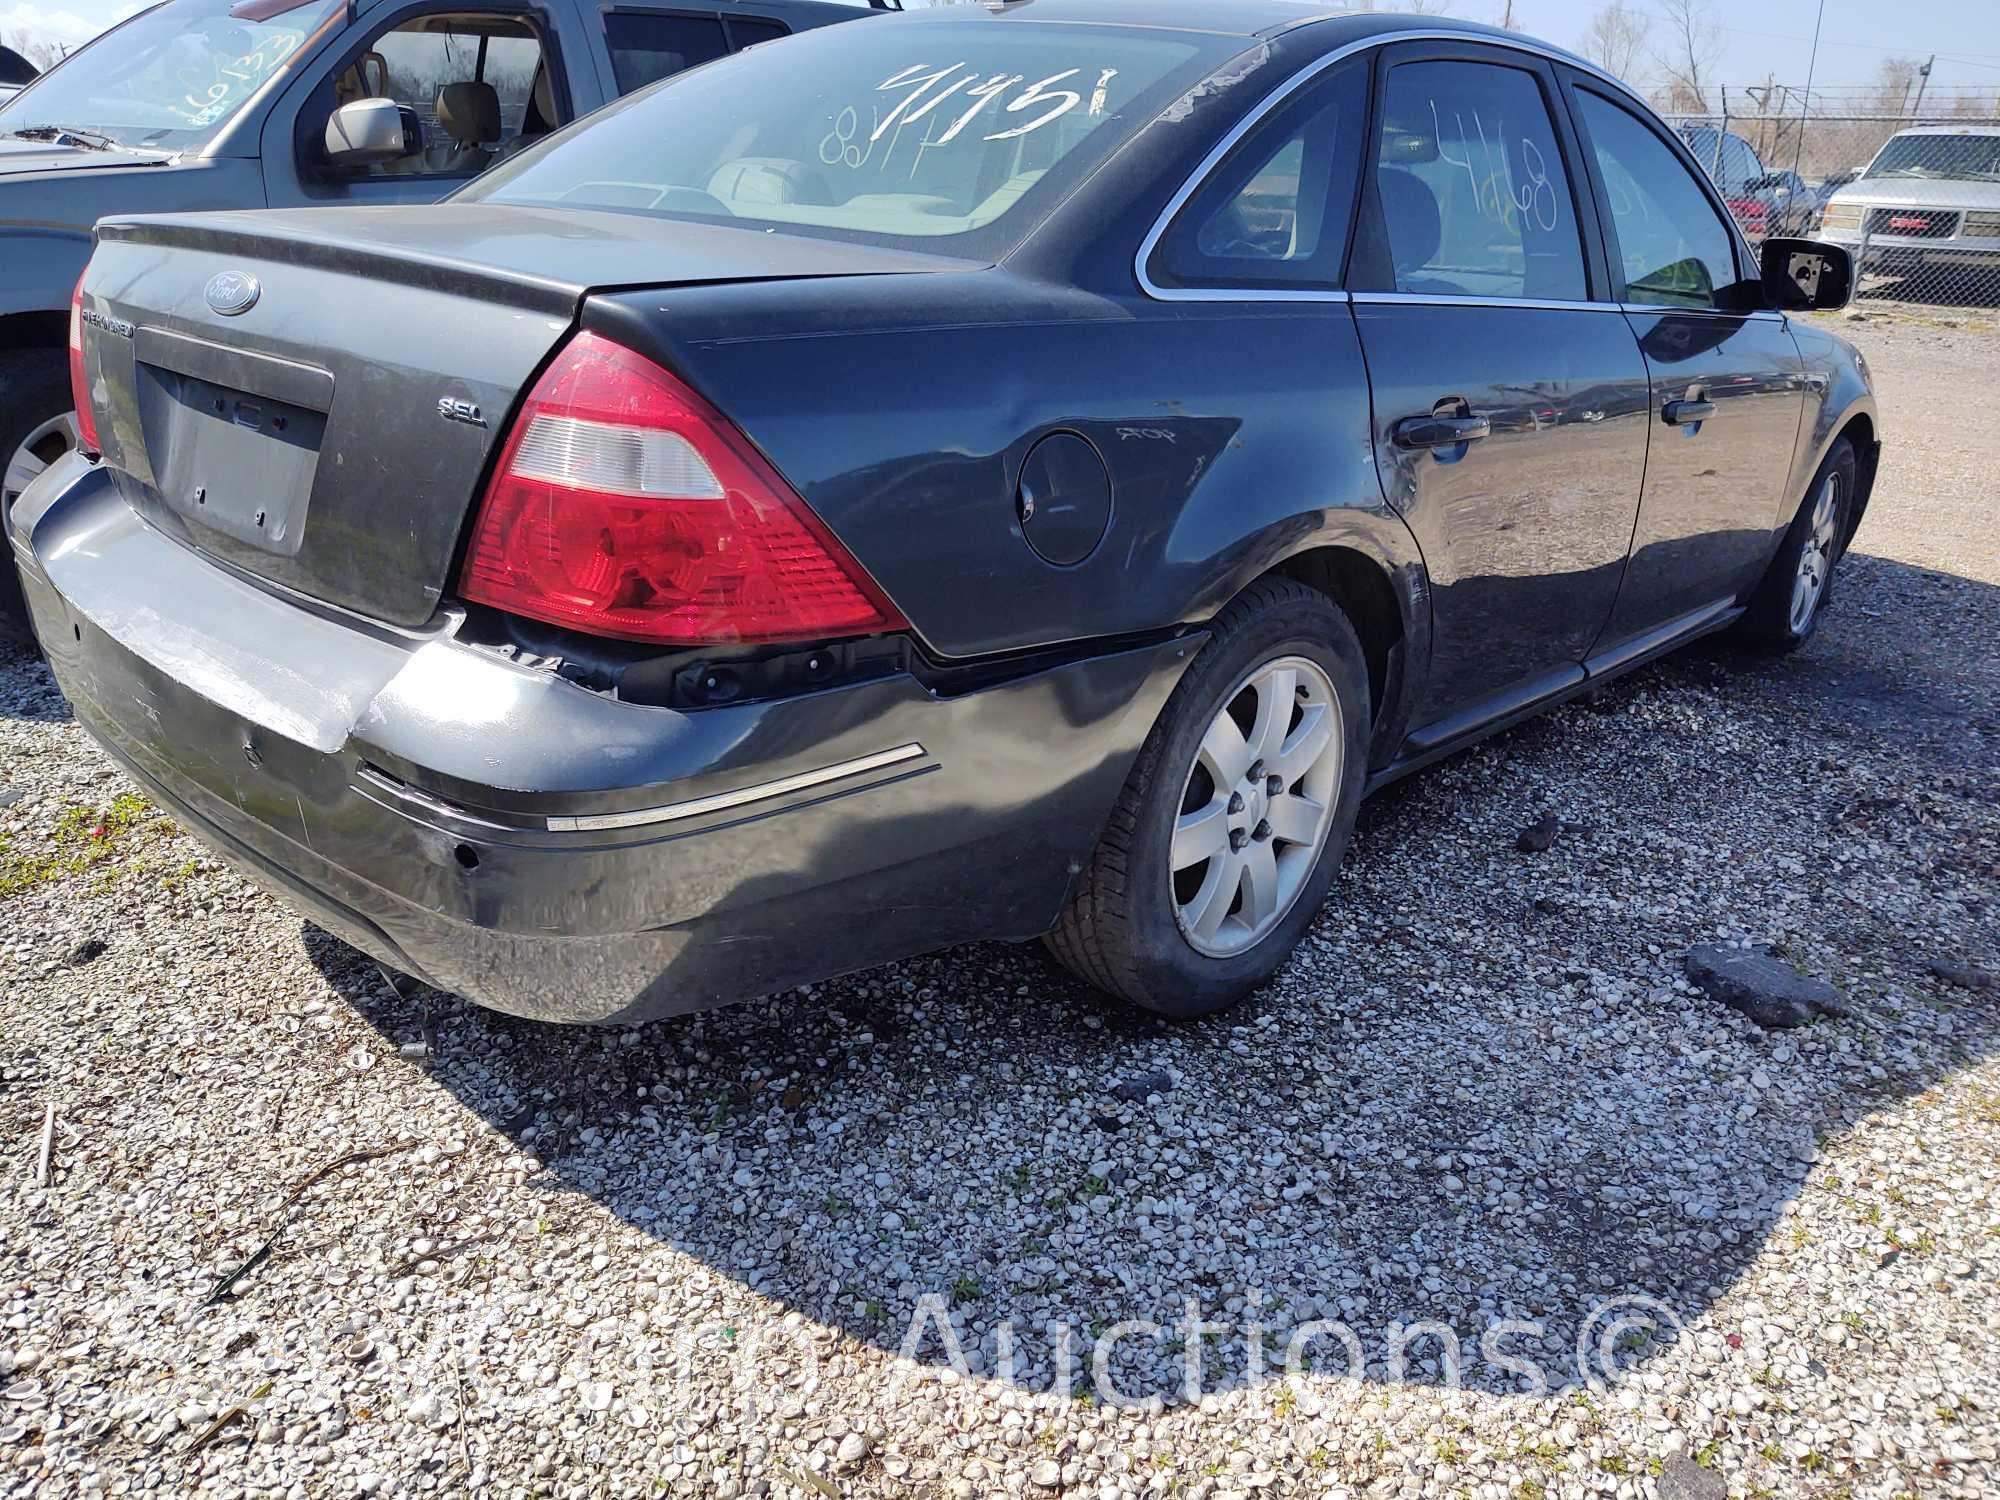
x=313, y=396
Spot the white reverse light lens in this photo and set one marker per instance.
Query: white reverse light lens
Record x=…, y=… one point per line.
x=614, y=459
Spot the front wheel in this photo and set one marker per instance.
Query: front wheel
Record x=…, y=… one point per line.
x=37, y=427
x=1787, y=607
x=1233, y=821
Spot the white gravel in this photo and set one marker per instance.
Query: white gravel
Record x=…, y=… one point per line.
x=687, y=1258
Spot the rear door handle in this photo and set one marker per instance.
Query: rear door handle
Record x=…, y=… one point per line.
x=1440, y=432
x=1681, y=413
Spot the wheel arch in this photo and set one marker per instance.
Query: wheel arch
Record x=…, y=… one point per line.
x=1859, y=430
x=1385, y=597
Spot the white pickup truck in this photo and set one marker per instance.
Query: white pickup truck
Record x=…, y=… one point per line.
x=1929, y=199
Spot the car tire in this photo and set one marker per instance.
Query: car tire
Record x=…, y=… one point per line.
x=1796, y=589
x=1142, y=921
x=37, y=425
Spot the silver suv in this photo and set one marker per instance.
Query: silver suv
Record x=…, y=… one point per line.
x=1930, y=198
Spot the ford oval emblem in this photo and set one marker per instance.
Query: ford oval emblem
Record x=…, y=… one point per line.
x=232, y=292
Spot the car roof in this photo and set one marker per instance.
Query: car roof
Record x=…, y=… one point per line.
x=1244, y=18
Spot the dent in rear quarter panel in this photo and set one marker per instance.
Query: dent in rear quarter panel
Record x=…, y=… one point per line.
x=901, y=407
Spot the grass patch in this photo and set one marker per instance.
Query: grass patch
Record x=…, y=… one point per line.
x=83, y=837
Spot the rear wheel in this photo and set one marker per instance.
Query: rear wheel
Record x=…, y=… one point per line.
x=37, y=427
x=1788, y=605
x=1233, y=822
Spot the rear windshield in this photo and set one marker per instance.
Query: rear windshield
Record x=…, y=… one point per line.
x=891, y=130
x=171, y=77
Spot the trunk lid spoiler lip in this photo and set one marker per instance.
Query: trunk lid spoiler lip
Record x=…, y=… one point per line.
x=340, y=240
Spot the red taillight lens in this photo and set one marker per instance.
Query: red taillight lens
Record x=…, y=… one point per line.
x=79, y=387
x=625, y=505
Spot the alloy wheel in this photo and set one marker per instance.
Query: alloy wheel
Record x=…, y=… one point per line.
x=1816, y=558
x=42, y=447
x=1256, y=806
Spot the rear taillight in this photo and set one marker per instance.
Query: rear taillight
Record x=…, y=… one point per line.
x=79, y=387
x=625, y=505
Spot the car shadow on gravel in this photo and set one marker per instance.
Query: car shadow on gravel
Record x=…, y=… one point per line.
x=1480, y=1122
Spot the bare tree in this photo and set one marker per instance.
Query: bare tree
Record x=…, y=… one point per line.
x=42, y=54
x=1689, y=50
x=1894, y=79
x=1616, y=40
x=1406, y=7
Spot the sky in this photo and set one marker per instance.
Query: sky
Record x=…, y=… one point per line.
x=1760, y=36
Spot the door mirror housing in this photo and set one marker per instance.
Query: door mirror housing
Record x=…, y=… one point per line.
x=1806, y=275
x=368, y=131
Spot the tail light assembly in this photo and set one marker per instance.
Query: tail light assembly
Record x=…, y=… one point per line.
x=79, y=385
x=624, y=505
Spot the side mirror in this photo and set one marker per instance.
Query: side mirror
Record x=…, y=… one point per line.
x=368, y=131
x=1806, y=275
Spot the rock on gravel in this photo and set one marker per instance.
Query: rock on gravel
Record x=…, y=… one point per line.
x=1539, y=836
x=1965, y=976
x=1762, y=986
x=1681, y=1478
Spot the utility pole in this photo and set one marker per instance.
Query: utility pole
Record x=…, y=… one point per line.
x=1923, y=82
x=1763, y=98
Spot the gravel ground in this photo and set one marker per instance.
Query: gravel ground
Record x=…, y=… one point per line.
x=1588, y=1231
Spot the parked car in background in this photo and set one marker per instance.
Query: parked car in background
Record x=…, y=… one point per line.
x=1732, y=164
x=16, y=73
x=901, y=486
x=1930, y=198
x=1763, y=201
x=1790, y=204
x=248, y=103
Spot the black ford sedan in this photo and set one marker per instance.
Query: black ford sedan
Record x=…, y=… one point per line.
x=985, y=473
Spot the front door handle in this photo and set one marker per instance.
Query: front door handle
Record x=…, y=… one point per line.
x=1440, y=432
x=1681, y=413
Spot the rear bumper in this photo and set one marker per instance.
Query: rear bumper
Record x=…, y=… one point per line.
x=546, y=850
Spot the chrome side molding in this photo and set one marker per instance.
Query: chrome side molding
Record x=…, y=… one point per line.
x=673, y=812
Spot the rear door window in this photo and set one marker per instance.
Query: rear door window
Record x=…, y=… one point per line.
x=1469, y=175
x=646, y=46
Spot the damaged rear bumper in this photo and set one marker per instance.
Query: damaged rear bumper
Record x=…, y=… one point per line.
x=550, y=851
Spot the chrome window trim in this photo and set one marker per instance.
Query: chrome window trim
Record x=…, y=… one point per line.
x=1331, y=294
x=722, y=801
x=1279, y=97
x=1653, y=309
x=1549, y=304
x=1445, y=299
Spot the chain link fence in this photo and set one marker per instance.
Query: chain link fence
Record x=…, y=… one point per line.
x=1916, y=200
